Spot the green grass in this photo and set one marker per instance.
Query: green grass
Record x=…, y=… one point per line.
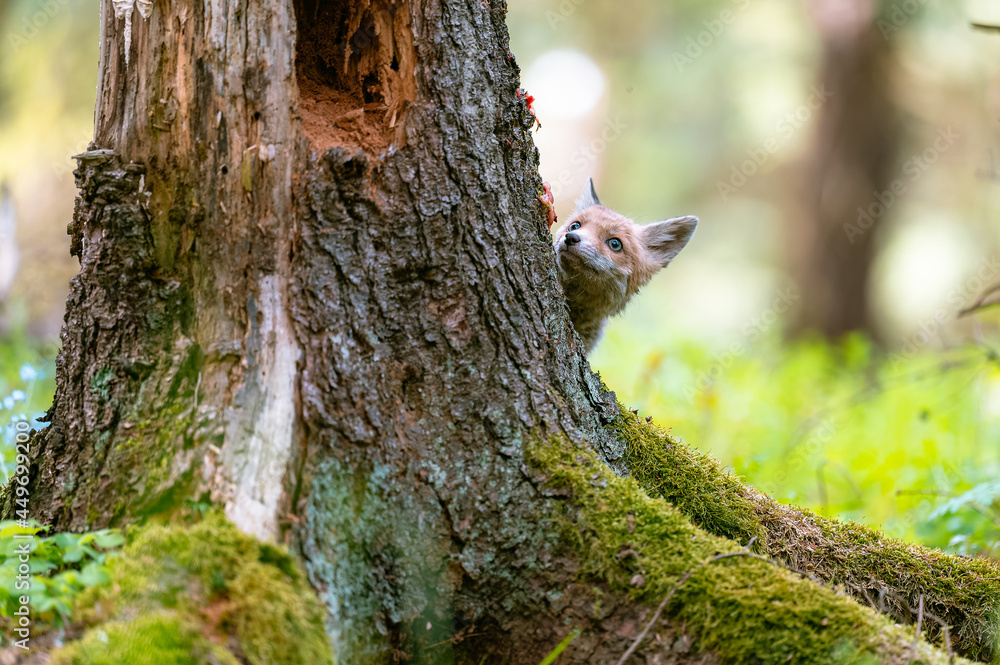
x=839, y=429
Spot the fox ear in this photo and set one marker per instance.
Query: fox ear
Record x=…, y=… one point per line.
x=588, y=197
x=666, y=239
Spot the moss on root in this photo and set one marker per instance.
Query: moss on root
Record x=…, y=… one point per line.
x=963, y=592
x=155, y=639
x=743, y=609
x=694, y=483
x=180, y=593
x=868, y=564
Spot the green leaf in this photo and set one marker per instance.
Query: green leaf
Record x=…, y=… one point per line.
x=93, y=554
x=63, y=608
x=73, y=555
x=8, y=529
x=41, y=602
x=108, y=539
x=65, y=581
x=983, y=494
x=41, y=565
x=13, y=547
x=66, y=540
x=93, y=574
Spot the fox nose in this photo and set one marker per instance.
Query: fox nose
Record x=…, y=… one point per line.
x=572, y=239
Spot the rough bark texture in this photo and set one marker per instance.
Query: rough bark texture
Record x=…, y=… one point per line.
x=316, y=289
x=288, y=300
x=851, y=162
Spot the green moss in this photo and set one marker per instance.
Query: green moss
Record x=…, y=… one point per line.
x=693, y=482
x=159, y=561
x=743, y=609
x=278, y=623
x=143, y=465
x=964, y=592
x=211, y=575
x=156, y=421
x=154, y=639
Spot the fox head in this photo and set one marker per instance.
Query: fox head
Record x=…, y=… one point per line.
x=604, y=259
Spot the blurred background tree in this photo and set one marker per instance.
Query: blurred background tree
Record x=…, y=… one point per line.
x=849, y=169
x=707, y=107
x=48, y=74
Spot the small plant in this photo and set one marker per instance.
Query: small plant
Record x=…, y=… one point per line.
x=52, y=570
x=13, y=408
x=970, y=520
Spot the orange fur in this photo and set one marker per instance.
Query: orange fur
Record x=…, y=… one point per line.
x=598, y=275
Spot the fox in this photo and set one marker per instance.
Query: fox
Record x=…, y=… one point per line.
x=604, y=258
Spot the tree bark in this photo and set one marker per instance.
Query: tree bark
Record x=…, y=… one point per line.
x=316, y=289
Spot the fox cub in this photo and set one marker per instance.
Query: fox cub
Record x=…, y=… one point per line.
x=605, y=258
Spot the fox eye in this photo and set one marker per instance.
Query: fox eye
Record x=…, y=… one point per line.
x=615, y=244
x=574, y=226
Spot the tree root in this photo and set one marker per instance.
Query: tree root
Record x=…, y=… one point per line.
x=959, y=596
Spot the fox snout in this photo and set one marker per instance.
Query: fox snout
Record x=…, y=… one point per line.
x=578, y=253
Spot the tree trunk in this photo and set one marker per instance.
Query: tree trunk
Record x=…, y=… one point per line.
x=316, y=289
x=850, y=167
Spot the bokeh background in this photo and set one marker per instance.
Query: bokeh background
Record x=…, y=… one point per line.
x=843, y=156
